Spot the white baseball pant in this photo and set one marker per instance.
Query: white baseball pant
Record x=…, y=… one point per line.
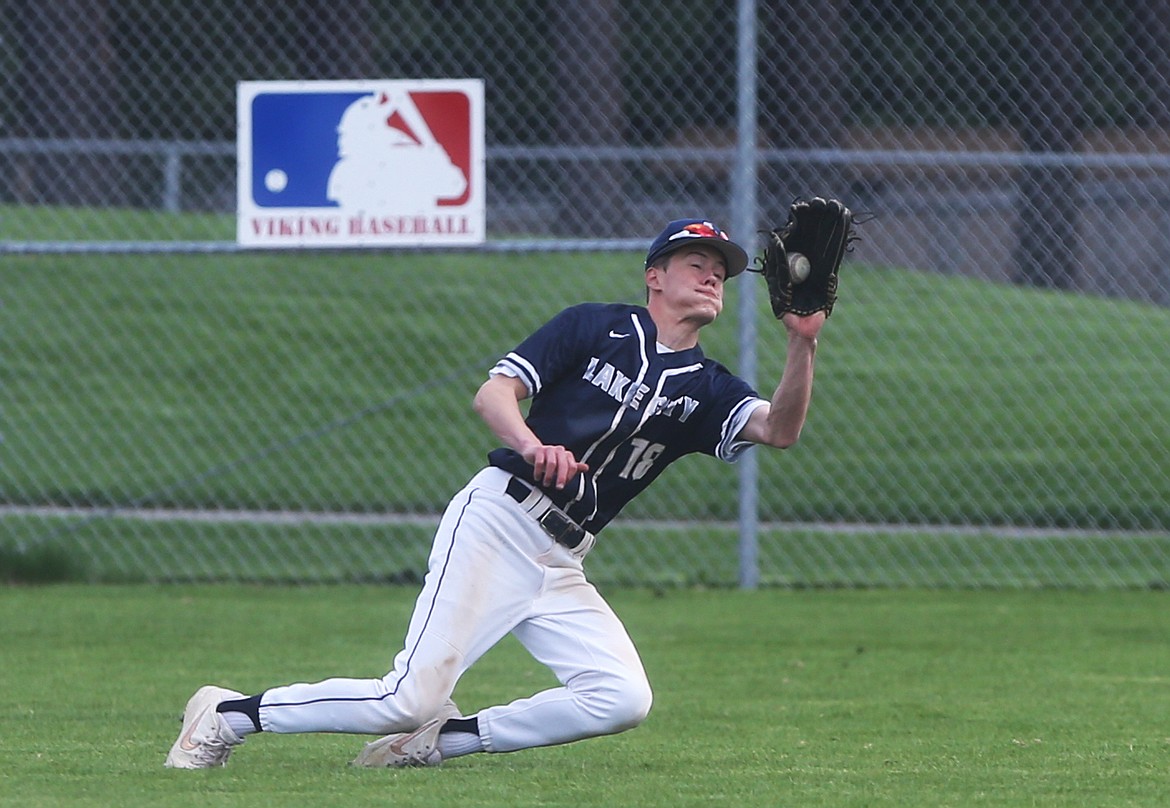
x=492, y=570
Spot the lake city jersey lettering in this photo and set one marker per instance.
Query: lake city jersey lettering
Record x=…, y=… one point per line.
x=621, y=388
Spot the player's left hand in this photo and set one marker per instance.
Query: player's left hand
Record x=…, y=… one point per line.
x=804, y=326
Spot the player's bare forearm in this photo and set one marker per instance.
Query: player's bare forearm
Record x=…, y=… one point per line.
x=780, y=423
x=498, y=403
x=790, y=401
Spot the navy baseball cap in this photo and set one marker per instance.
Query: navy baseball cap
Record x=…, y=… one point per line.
x=682, y=232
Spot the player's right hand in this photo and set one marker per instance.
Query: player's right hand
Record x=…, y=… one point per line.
x=554, y=466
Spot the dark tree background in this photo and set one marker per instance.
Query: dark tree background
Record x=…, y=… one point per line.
x=596, y=74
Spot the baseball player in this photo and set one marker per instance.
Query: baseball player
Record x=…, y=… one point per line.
x=618, y=393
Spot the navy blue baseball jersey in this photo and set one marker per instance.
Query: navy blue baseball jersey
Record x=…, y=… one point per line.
x=603, y=389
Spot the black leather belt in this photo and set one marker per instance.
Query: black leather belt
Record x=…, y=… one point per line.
x=554, y=521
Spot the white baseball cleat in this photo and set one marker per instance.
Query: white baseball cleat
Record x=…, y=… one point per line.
x=405, y=749
x=206, y=740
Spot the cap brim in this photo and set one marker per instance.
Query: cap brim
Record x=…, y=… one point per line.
x=734, y=256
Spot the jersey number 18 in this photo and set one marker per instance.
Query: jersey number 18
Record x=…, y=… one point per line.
x=641, y=458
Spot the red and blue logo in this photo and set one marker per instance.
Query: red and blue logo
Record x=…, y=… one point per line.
x=360, y=150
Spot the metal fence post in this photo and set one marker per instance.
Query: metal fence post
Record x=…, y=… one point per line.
x=743, y=224
x=172, y=180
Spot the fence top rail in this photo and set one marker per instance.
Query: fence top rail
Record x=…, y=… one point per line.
x=660, y=154
x=206, y=247
x=25, y=145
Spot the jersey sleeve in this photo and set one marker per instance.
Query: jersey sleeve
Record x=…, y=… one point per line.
x=730, y=447
x=734, y=403
x=554, y=349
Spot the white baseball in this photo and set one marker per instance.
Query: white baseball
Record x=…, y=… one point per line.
x=798, y=267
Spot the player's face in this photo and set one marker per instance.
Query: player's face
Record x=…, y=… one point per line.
x=692, y=283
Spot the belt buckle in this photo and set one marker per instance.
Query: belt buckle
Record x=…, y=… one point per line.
x=562, y=529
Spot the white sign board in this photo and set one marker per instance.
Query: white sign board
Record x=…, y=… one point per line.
x=360, y=163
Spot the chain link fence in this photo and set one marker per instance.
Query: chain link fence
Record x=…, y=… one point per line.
x=993, y=397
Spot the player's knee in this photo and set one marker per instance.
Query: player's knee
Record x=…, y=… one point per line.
x=618, y=703
x=634, y=705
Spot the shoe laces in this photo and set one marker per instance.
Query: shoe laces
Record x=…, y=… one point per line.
x=214, y=749
x=212, y=752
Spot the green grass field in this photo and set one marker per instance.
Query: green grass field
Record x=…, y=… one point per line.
x=774, y=698
x=987, y=668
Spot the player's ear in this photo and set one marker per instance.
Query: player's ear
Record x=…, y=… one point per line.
x=654, y=276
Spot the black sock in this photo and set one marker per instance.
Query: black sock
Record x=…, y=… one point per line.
x=470, y=724
x=249, y=707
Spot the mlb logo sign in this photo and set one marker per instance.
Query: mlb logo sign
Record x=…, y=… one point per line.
x=360, y=163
